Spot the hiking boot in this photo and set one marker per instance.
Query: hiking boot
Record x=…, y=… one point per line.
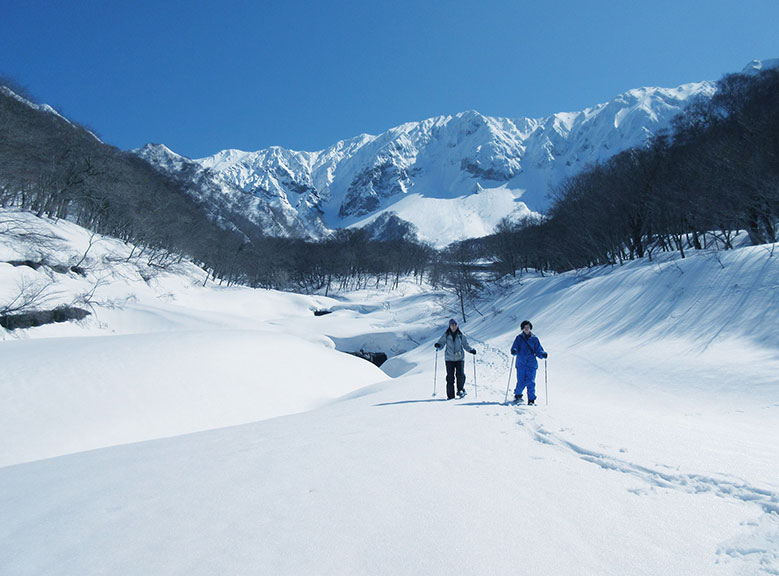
x=461, y=393
x=531, y=402
x=517, y=397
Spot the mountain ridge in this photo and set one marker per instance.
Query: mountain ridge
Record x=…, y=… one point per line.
x=448, y=177
x=514, y=163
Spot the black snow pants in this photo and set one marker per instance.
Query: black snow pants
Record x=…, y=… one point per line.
x=452, y=367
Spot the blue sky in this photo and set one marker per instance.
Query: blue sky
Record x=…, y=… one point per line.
x=203, y=76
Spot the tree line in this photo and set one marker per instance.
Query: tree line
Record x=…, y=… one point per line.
x=348, y=260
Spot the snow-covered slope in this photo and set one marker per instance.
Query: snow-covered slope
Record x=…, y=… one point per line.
x=452, y=177
x=656, y=452
x=159, y=354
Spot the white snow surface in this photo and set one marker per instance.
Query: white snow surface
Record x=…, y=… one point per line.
x=472, y=216
x=183, y=429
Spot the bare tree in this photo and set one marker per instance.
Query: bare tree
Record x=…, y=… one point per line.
x=30, y=295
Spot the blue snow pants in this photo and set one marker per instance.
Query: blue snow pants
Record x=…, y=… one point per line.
x=526, y=378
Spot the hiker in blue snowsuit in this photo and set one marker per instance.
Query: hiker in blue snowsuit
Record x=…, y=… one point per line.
x=527, y=348
x=456, y=344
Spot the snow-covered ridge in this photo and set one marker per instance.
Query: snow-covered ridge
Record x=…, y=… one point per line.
x=451, y=158
x=41, y=108
x=757, y=65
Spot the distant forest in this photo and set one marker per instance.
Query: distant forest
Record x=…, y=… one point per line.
x=714, y=174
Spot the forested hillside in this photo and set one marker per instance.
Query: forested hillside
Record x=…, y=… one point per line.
x=717, y=173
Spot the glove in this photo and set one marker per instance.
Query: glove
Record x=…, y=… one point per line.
x=437, y=345
x=545, y=355
x=513, y=352
x=473, y=351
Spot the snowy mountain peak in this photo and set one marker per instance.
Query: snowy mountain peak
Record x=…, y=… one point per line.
x=439, y=163
x=759, y=65
x=161, y=156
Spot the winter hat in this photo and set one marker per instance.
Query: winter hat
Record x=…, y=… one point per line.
x=452, y=321
x=525, y=323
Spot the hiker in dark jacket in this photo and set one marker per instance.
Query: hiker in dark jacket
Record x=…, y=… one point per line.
x=527, y=348
x=456, y=344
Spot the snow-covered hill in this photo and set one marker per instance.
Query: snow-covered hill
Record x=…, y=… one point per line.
x=452, y=177
x=652, y=451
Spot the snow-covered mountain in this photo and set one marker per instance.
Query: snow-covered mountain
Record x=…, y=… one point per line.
x=232, y=204
x=452, y=177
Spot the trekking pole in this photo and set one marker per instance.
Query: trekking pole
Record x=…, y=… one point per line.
x=475, y=387
x=435, y=373
x=511, y=367
x=546, y=385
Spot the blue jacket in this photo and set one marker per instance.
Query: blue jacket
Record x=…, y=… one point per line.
x=527, y=349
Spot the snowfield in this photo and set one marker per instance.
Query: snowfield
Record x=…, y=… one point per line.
x=183, y=429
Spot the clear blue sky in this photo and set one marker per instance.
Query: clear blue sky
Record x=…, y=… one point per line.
x=202, y=76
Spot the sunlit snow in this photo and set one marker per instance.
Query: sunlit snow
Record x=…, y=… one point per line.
x=214, y=430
